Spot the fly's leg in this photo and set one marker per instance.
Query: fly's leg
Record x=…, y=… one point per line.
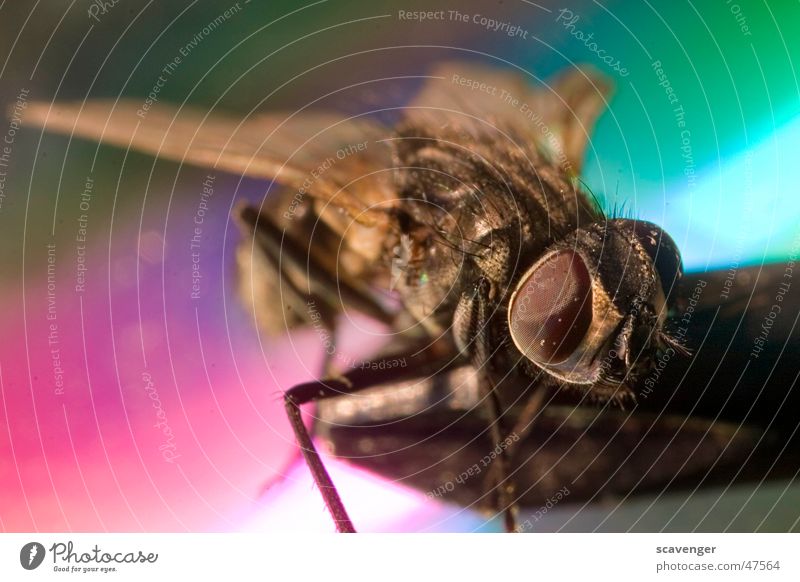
x=298, y=279
x=506, y=489
x=327, y=370
x=422, y=364
x=293, y=399
x=470, y=326
x=307, y=273
x=521, y=430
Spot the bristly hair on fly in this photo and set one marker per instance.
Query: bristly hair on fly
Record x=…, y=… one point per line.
x=617, y=210
x=598, y=205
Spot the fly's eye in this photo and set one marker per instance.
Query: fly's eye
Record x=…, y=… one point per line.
x=663, y=252
x=552, y=308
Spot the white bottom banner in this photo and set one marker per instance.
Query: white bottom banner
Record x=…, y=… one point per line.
x=402, y=557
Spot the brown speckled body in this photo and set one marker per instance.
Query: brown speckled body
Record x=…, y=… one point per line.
x=475, y=205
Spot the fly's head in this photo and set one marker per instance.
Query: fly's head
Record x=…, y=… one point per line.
x=591, y=310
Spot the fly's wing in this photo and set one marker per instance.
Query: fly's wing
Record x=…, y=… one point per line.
x=556, y=117
x=333, y=159
x=334, y=168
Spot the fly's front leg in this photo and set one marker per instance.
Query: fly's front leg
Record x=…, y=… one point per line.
x=521, y=430
x=292, y=401
x=422, y=364
x=471, y=330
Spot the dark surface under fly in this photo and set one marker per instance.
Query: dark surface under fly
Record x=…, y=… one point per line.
x=728, y=412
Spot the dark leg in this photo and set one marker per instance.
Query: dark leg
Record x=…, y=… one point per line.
x=308, y=274
x=470, y=328
x=500, y=468
x=328, y=370
x=425, y=363
x=292, y=401
x=521, y=428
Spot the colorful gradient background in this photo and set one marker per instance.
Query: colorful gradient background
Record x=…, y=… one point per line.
x=89, y=459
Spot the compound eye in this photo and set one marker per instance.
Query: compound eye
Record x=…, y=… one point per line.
x=551, y=309
x=663, y=251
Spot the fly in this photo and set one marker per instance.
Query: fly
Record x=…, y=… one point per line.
x=524, y=314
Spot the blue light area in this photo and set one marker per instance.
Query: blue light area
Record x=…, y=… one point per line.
x=743, y=210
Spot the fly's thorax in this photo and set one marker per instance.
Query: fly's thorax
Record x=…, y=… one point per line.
x=487, y=206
